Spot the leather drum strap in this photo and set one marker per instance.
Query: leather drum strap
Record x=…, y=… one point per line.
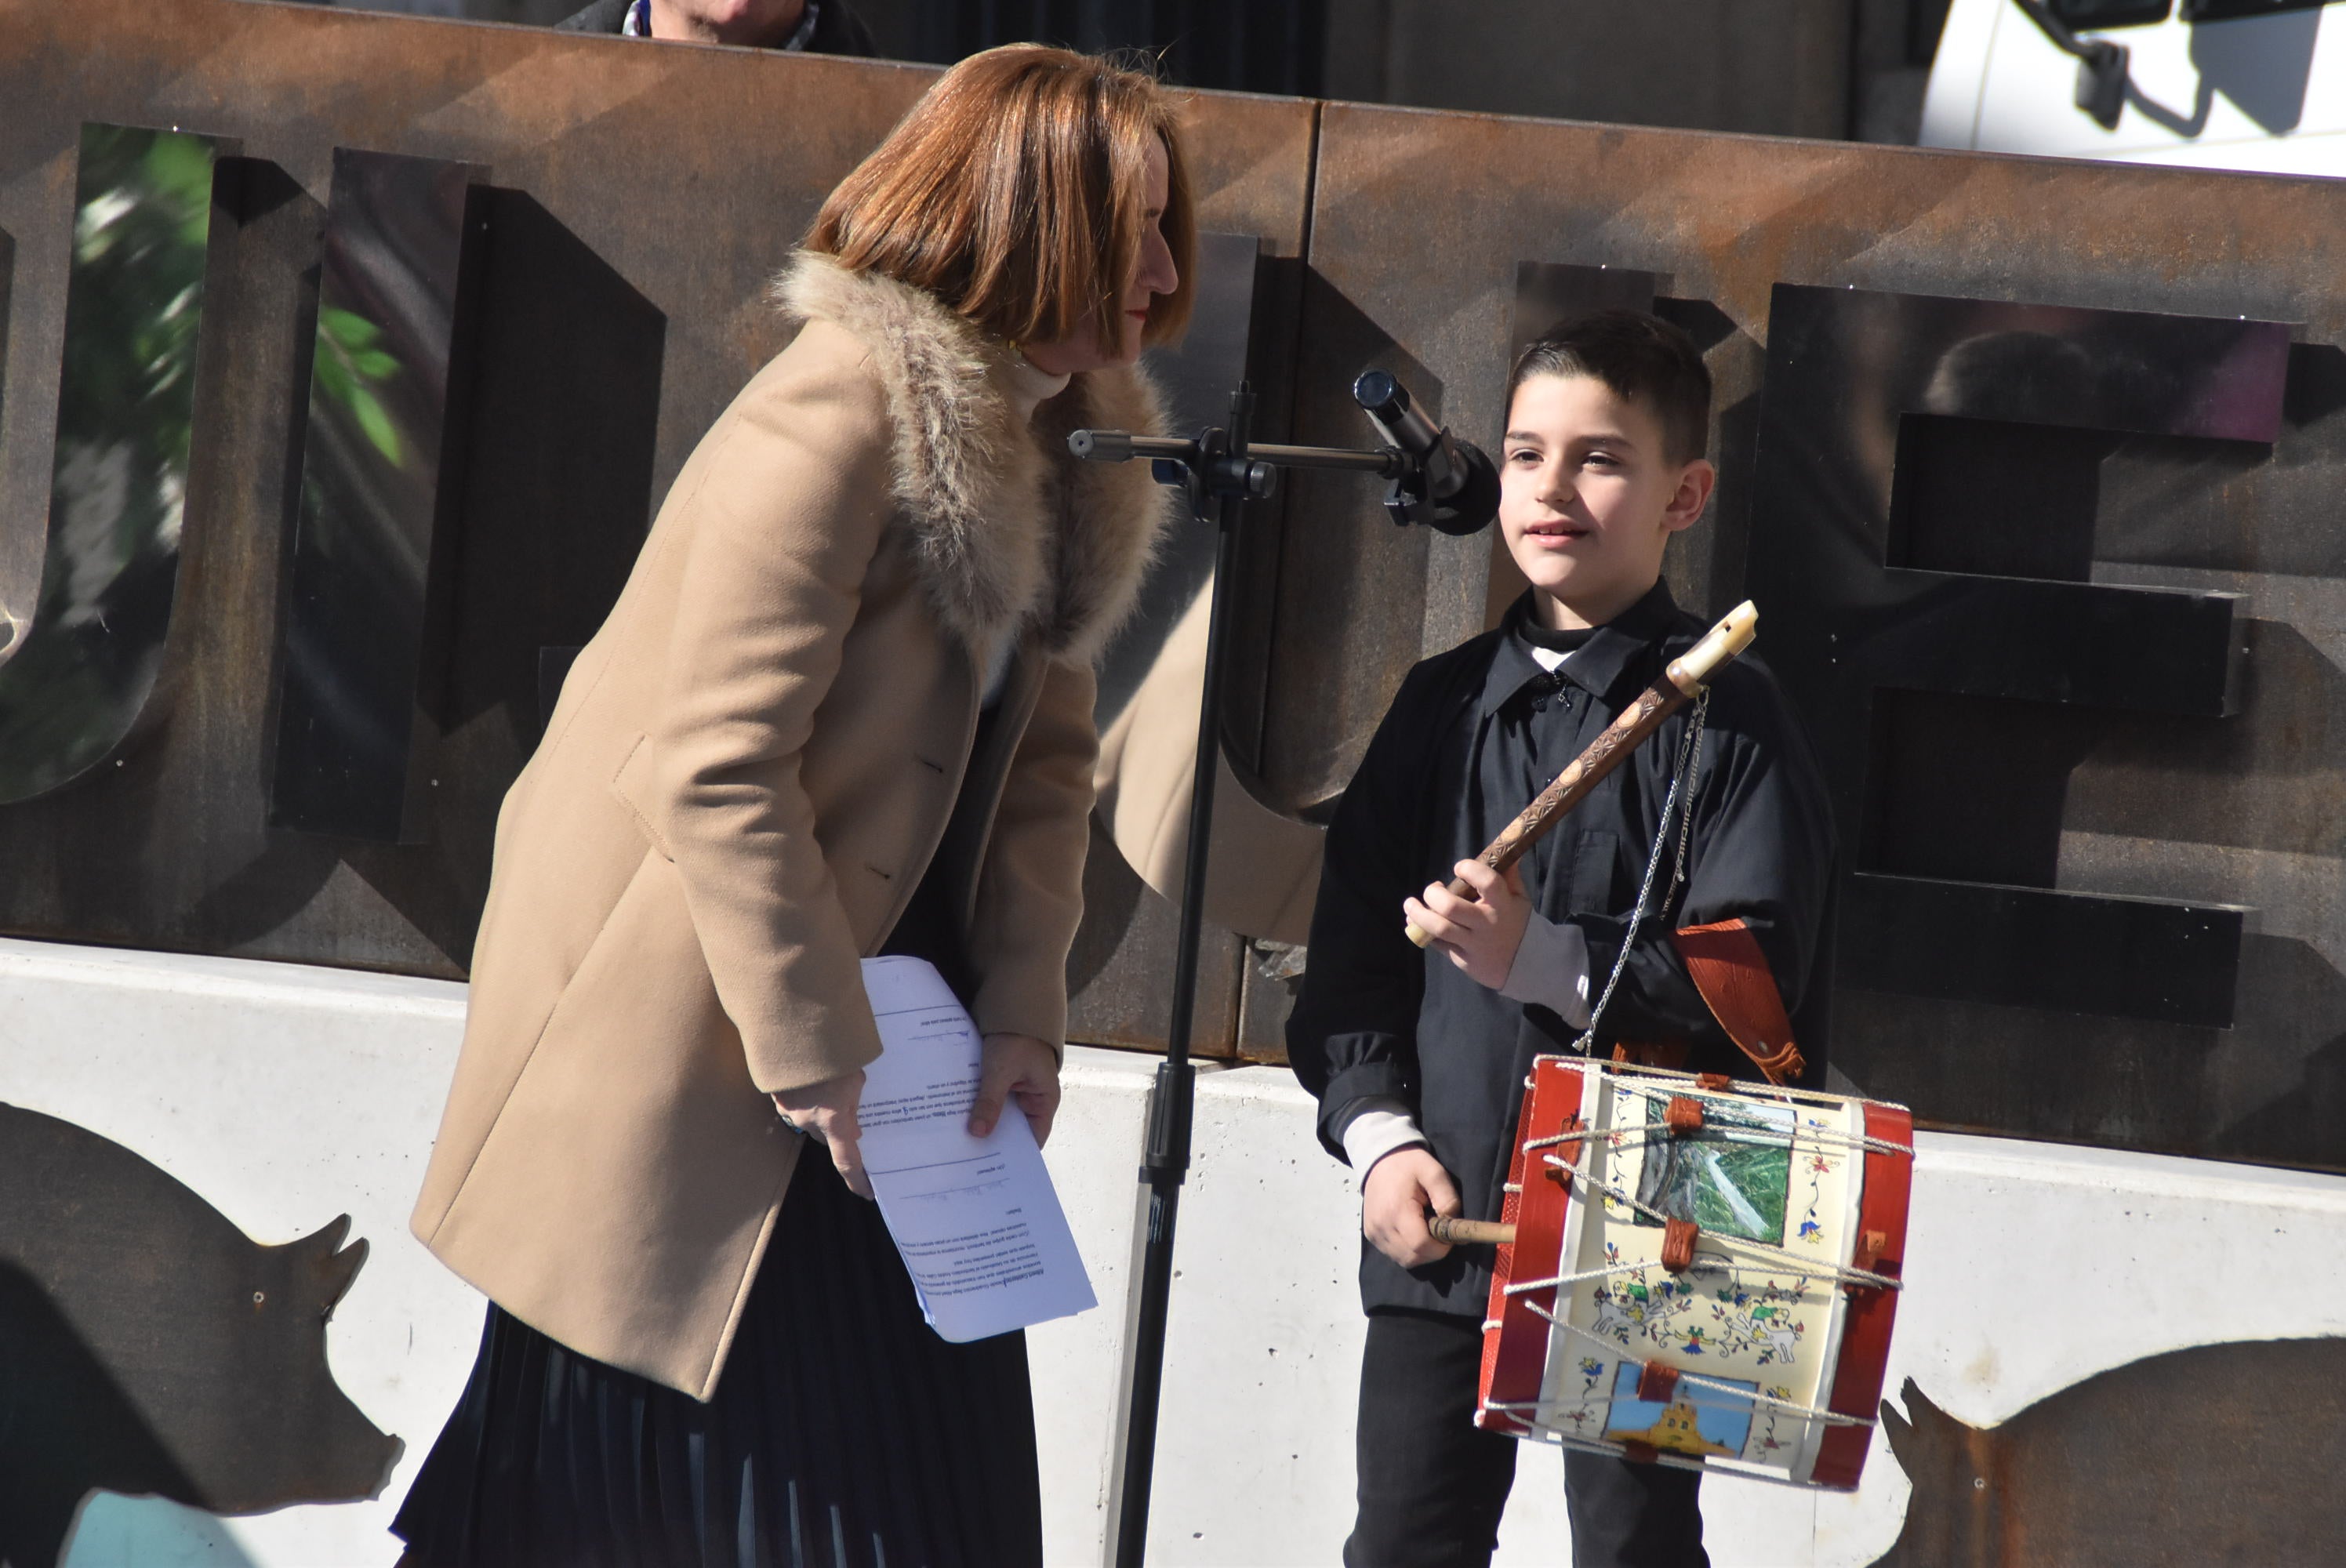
x=1734, y=978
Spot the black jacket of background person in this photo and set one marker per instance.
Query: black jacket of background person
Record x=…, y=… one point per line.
x=837, y=29
x=1472, y=737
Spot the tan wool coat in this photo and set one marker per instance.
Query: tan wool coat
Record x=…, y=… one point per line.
x=751, y=769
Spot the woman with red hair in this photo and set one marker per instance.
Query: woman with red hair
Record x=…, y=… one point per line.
x=843, y=707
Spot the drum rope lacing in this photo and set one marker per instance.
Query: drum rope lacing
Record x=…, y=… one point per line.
x=1801, y=1268
x=1804, y=1268
x=1741, y=1398
x=1682, y=772
x=1774, y=1094
x=1656, y=1132
x=1542, y=1415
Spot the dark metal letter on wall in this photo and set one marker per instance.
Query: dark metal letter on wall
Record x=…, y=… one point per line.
x=1929, y=476
x=1548, y=294
x=85, y=654
x=1119, y=972
x=606, y=349
x=381, y=468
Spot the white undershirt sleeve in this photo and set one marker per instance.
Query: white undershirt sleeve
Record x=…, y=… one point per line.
x=1551, y=970
x=1378, y=1129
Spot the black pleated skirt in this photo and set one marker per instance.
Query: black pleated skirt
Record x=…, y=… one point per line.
x=844, y=1433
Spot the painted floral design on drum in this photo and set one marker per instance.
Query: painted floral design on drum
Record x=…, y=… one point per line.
x=1760, y=1319
x=1815, y=1166
x=1592, y=1372
x=1773, y=1418
x=1632, y=1307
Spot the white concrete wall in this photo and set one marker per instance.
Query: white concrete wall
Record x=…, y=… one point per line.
x=283, y=1095
x=286, y=1096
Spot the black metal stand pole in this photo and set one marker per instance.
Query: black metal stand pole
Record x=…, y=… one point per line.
x=1222, y=467
x=1166, y=1162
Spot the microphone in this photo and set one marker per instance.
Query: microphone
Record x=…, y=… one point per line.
x=1450, y=484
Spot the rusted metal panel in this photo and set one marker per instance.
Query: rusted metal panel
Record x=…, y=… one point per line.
x=1251, y=162
x=153, y=211
x=1783, y=68
x=2094, y=1477
x=603, y=153
x=1421, y=222
x=640, y=199
x=1120, y=974
x=383, y=463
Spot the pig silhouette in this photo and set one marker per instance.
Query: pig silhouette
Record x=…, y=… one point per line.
x=2219, y=1454
x=149, y=1346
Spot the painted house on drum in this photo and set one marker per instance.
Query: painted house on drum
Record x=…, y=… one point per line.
x=348, y=354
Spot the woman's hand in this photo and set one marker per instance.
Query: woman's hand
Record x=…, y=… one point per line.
x=1019, y=1068
x=1480, y=938
x=827, y=1111
x=1399, y=1188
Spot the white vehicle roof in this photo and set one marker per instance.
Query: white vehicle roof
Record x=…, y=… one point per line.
x=2265, y=93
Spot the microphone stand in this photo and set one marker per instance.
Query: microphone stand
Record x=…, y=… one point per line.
x=1221, y=470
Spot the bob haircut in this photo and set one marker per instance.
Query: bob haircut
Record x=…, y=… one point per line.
x=1016, y=191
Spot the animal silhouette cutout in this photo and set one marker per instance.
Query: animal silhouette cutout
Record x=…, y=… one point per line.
x=2222, y=1454
x=148, y=1346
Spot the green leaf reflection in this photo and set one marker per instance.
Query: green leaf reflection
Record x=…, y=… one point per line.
x=80, y=674
x=350, y=368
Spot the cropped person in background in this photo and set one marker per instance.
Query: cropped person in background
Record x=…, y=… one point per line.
x=815, y=26
x=843, y=707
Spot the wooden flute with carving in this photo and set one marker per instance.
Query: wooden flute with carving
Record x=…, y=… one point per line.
x=1681, y=683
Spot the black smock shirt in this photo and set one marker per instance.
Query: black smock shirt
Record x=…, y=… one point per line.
x=1472, y=737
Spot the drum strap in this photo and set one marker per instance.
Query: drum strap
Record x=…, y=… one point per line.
x=1734, y=978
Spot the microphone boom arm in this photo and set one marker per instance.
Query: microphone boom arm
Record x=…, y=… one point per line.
x=1123, y=446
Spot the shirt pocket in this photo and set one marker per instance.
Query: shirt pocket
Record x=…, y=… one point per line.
x=1596, y=882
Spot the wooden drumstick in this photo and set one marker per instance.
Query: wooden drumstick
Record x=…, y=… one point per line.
x=1452, y=1231
x=1681, y=683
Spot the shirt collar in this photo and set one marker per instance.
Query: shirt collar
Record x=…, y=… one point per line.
x=1600, y=662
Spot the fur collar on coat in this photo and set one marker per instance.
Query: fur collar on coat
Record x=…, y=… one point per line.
x=1013, y=533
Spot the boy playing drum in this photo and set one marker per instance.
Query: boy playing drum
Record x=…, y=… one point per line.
x=1418, y=1059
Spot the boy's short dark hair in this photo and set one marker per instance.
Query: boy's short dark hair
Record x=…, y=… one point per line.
x=1640, y=358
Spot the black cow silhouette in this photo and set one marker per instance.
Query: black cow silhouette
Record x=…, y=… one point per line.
x=149, y=1346
x=2219, y=1454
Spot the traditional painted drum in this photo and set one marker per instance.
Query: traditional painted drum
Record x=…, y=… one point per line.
x=1700, y=1275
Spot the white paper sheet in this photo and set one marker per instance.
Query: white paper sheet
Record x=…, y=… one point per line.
x=976, y=1219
